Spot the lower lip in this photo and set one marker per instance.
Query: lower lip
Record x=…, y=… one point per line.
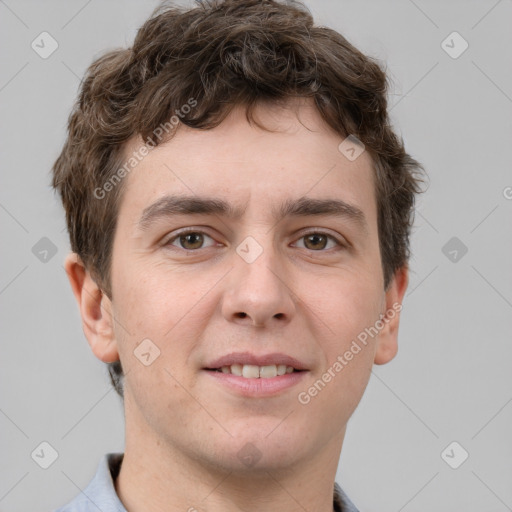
x=257, y=387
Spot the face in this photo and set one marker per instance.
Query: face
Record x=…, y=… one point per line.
x=230, y=257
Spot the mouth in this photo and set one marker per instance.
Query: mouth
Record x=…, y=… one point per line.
x=252, y=375
x=252, y=371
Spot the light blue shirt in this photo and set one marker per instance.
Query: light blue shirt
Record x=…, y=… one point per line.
x=101, y=494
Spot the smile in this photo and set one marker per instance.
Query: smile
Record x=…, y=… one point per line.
x=256, y=375
x=251, y=371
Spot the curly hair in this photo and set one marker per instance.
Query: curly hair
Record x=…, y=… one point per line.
x=225, y=53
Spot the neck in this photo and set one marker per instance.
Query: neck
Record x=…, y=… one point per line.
x=142, y=487
x=162, y=477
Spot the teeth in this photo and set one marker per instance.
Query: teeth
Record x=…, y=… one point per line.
x=251, y=371
x=267, y=372
x=236, y=369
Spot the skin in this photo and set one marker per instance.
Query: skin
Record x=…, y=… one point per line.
x=309, y=301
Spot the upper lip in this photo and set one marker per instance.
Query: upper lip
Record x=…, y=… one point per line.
x=255, y=359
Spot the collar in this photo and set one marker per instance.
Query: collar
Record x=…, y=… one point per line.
x=101, y=493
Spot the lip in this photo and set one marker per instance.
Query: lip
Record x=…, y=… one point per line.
x=257, y=360
x=256, y=388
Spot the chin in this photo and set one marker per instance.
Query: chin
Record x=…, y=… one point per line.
x=263, y=444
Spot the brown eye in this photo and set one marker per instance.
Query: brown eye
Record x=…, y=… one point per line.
x=315, y=241
x=190, y=240
x=319, y=241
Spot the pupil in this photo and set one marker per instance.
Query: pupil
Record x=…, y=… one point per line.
x=189, y=239
x=315, y=238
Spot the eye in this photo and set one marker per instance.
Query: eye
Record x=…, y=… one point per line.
x=318, y=241
x=190, y=240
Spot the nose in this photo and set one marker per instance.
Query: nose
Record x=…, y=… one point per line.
x=258, y=293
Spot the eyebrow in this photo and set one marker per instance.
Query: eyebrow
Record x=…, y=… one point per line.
x=169, y=206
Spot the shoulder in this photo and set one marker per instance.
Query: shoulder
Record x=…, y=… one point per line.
x=342, y=502
x=100, y=492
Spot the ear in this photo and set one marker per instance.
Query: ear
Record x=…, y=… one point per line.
x=387, y=341
x=95, y=310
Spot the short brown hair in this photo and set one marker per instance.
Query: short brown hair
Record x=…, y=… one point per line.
x=225, y=53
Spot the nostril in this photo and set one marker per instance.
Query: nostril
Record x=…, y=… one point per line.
x=241, y=315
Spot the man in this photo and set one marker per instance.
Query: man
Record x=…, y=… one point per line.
x=239, y=211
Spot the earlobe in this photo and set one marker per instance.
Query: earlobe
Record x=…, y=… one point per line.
x=387, y=342
x=95, y=310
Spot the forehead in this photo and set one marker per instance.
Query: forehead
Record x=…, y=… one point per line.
x=298, y=156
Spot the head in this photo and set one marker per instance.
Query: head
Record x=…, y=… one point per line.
x=244, y=103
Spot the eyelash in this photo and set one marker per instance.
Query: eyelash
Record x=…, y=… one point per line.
x=339, y=243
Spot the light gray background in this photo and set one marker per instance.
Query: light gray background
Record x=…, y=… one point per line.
x=452, y=378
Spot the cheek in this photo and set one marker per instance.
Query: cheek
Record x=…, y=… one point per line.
x=349, y=350
x=152, y=298
x=166, y=307
x=353, y=308
x=349, y=304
